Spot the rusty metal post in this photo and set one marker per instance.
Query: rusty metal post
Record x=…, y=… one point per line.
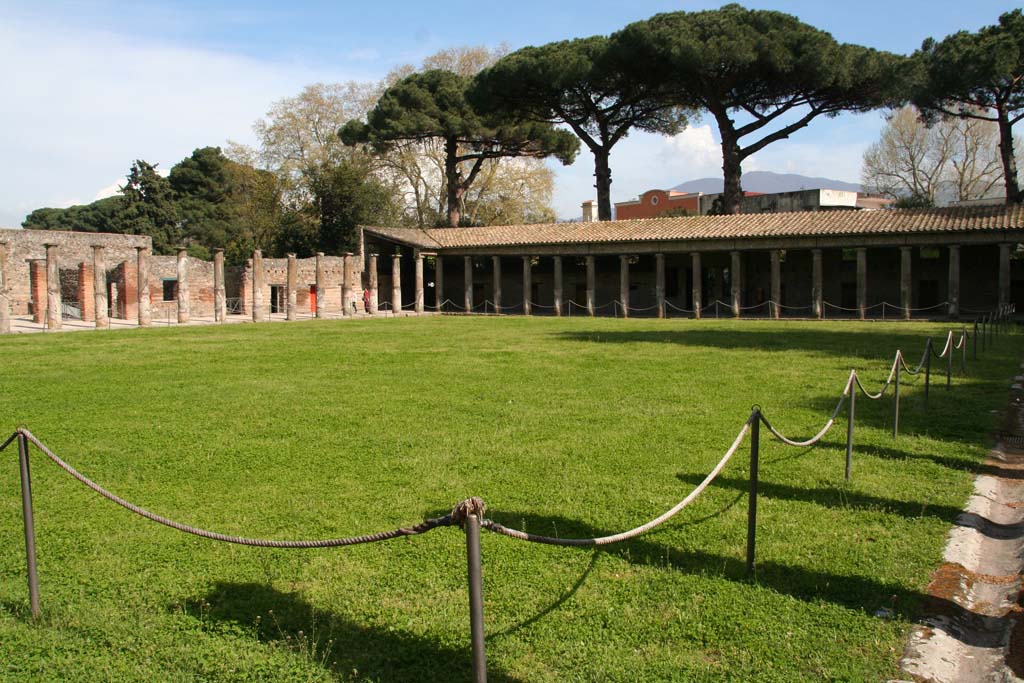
x=755, y=444
x=30, y=527
x=974, y=337
x=949, y=362
x=896, y=407
x=849, y=429
x=927, y=371
x=476, y=600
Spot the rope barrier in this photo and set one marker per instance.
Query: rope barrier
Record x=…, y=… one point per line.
x=636, y=531
x=420, y=528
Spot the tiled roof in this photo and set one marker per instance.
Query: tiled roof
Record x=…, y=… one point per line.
x=742, y=226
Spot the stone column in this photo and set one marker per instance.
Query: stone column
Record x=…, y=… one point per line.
x=438, y=283
x=346, y=284
x=496, y=283
x=698, y=282
x=817, y=302
x=86, y=292
x=1004, y=274
x=735, y=283
x=53, y=312
x=467, y=283
x=220, y=301
x=954, y=281
x=558, y=286
x=624, y=284
x=527, y=285
x=396, y=283
x=591, y=282
x=257, y=287
x=419, y=283
x=776, y=284
x=99, y=287
x=374, y=285
x=37, y=277
x=5, y=300
x=862, y=283
x=293, y=296
x=905, y=281
x=320, y=284
x=184, y=308
x=142, y=287
x=659, y=284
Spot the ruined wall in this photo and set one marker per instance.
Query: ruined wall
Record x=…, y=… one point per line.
x=200, y=286
x=74, y=248
x=275, y=280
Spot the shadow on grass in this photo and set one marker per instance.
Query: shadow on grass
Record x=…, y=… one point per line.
x=333, y=642
x=834, y=497
x=823, y=340
x=862, y=593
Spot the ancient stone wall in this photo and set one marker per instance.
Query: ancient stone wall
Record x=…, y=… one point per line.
x=164, y=269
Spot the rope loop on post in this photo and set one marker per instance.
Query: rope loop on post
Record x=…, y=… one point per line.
x=470, y=506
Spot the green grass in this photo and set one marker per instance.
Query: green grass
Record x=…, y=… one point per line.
x=568, y=427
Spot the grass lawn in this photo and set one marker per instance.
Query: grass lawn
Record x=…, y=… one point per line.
x=569, y=427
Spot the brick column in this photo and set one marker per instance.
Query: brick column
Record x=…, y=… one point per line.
x=5, y=299
x=527, y=285
x=776, y=284
x=905, y=281
x=591, y=283
x=346, y=284
x=419, y=283
x=624, y=285
x=735, y=284
x=257, y=287
x=817, y=302
x=467, y=283
x=373, y=284
x=320, y=280
x=862, y=283
x=37, y=276
x=496, y=282
x=220, y=302
x=53, y=316
x=86, y=292
x=184, y=303
x=99, y=303
x=396, y=283
x=698, y=283
x=954, y=281
x=1004, y=274
x=659, y=284
x=292, y=311
x=558, y=286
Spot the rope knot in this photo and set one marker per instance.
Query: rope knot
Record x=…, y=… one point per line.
x=470, y=506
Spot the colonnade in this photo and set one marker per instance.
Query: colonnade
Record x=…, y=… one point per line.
x=736, y=260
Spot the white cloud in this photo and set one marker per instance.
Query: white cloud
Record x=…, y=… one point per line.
x=695, y=147
x=81, y=105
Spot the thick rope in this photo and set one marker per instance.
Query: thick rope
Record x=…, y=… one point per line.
x=423, y=527
x=636, y=531
x=824, y=430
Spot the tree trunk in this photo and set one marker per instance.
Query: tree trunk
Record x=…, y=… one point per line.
x=732, y=192
x=1013, y=194
x=603, y=183
x=451, y=172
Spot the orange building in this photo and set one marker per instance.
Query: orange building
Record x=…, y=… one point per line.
x=657, y=203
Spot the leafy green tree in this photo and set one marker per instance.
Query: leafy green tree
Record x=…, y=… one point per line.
x=150, y=206
x=433, y=105
x=104, y=215
x=771, y=69
x=980, y=76
x=576, y=83
x=205, y=197
x=345, y=195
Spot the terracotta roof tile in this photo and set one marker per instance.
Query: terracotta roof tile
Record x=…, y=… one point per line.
x=695, y=228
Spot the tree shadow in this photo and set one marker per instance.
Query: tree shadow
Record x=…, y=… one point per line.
x=835, y=498
x=334, y=642
x=821, y=340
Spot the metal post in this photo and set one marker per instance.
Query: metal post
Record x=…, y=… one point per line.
x=975, y=338
x=849, y=428
x=476, y=600
x=949, y=362
x=963, y=352
x=30, y=527
x=755, y=440
x=896, y=407
x=927, y=371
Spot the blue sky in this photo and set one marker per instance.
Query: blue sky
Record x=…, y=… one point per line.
x=90, y=86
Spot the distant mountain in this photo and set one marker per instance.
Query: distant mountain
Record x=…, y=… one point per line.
x=766, y=181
